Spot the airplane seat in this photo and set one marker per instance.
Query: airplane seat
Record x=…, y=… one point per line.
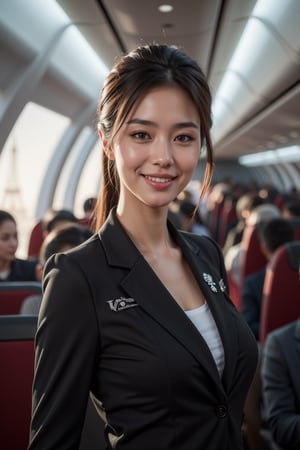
x=214, y=220
x=234, y=292
x=35, y=241
x=228, y=218
x=296, y=225
x=16, y=374
x=281, y=291
x=13, y=293
x=17, y=334
x=253, y=258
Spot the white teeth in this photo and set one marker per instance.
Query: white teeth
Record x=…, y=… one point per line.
x=158, y=180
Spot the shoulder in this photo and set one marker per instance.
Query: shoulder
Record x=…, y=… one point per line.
x=283, y=335
x=202, y=243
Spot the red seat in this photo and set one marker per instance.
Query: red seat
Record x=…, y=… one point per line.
x=13, y=293
x=253, y=258
x=281, y=292
x=16, y=374
x=35, y=241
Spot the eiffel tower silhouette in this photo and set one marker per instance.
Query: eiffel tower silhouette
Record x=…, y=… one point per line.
x=12, y=197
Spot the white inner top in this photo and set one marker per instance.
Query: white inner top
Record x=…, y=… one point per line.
x=205, y=323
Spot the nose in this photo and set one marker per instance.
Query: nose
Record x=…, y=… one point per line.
x=163, y=154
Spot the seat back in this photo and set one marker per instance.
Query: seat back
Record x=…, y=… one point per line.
x=35, y=240
x=281, y=291
x=13, y=293
x=253, y=258
x=16, y=374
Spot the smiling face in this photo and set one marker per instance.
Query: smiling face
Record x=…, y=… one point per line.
x=157, y=149
x=8, y=241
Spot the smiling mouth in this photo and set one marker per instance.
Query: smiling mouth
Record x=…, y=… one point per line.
x=159, y=179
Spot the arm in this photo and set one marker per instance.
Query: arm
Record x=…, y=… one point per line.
x=66, y=352
x=282, y=412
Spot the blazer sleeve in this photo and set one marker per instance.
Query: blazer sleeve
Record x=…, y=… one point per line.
x=67, y=346
x=279, y=401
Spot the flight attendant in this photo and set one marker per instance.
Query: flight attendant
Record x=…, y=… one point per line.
x=139, y=316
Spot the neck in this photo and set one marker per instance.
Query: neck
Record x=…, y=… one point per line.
x=148, y=229
x=4, y=266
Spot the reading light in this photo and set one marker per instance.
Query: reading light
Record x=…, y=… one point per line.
x=165, y=8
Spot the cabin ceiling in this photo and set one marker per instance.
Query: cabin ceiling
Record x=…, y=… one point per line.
x=263, y=110
x=209, y=31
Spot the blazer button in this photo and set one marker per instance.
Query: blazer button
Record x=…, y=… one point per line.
x=221, y=411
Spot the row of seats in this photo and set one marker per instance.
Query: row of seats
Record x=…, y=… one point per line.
x=16, y=376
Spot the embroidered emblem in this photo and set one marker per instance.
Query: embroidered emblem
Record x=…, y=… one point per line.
x=222, y=285
x=209, y=280
x=118, y=304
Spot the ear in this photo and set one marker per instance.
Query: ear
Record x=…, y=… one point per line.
x=105, y=146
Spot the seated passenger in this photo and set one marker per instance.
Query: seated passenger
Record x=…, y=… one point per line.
x=280, y=373
x=12, y=268
x=272, y=234
x=61, y=239
x=234, y=257
x=190, y=220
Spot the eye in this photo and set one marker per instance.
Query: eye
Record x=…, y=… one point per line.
x=184, y=138
x=140, y=135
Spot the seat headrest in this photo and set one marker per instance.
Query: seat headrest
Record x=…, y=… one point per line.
x=293, y=252
x=17, y=327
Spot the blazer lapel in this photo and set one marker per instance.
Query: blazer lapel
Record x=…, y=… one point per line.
x=142, y=284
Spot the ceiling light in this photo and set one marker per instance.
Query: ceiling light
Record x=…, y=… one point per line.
x=281, y=155
x=165, y=8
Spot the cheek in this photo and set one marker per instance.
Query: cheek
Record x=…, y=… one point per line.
x=189, y=160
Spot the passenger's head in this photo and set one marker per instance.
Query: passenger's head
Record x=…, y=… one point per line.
x=8, y=237
x=63, y=238
x=89, y=205
x=247, y=203
x=60, y=218
x=135, y=76
x=291, y=210
x=263, y=213
x=273, y=233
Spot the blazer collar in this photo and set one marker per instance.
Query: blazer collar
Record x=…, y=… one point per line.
x=141, y=283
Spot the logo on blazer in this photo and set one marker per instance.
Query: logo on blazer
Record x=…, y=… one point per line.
x=118, y=304
x=209, y=280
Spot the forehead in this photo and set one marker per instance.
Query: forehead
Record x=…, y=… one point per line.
x=166, y=102
x=7, y=226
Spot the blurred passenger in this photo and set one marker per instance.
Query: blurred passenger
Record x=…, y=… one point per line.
x=12, y=268
x=244, y=206
x=60, y=240
x=291, y=210
x=272, y=234
x=190, y=219
x=60, y=218
x=280, y=374
x=88, y=209
x=235, y=255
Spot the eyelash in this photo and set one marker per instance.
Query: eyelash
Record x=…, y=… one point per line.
x=142, y=135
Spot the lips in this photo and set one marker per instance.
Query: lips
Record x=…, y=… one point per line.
x=159, y=179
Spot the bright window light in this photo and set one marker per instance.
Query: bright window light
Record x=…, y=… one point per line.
x=281, y=155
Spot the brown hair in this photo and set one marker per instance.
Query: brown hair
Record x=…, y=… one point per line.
x=132, y=77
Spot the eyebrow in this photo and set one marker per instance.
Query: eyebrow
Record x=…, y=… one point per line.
x=154, y=124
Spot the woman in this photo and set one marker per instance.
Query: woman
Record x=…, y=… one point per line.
x=12, y=268
x=139, y=315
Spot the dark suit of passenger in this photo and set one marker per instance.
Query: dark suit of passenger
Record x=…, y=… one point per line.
x=281, y=385
x=108, y=325
x=252, y=298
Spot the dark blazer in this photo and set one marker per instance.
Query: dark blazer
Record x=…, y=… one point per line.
x=22, y=270
x=252, y=298
x=281, y=385
x=108, y=325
